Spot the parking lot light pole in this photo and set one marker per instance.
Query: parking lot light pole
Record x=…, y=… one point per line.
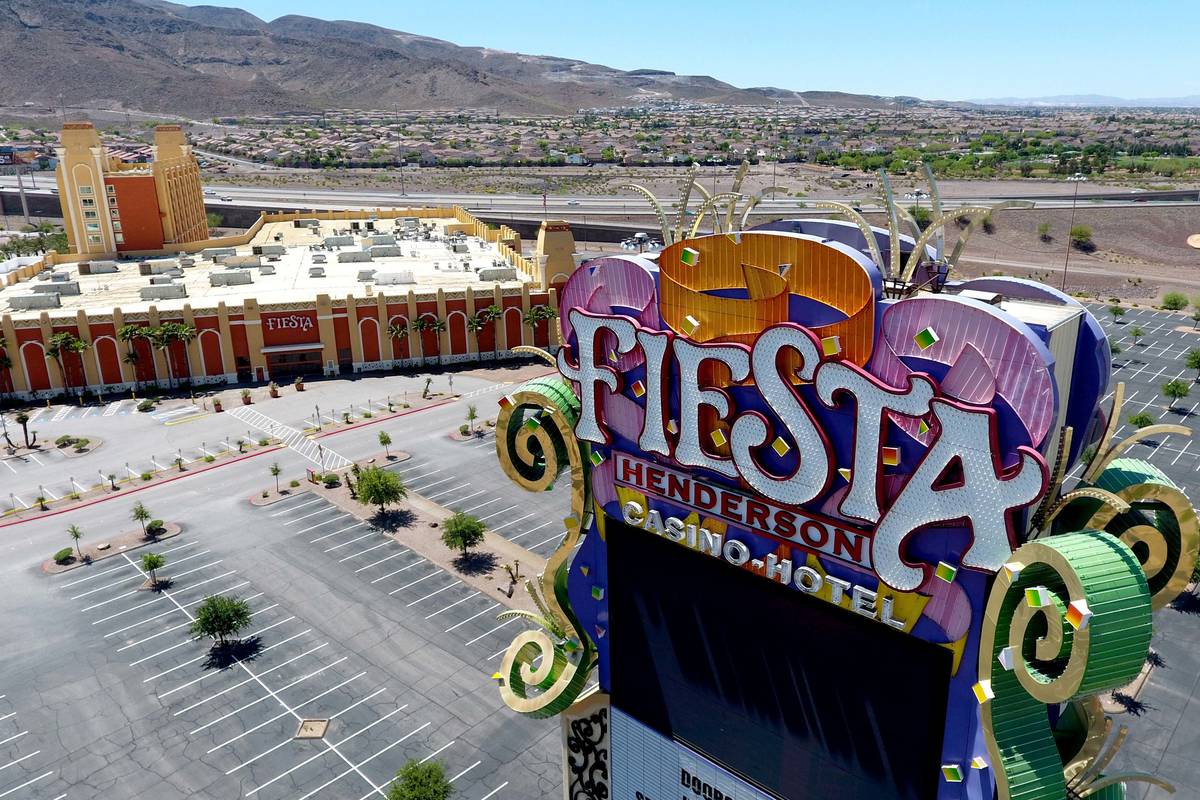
x=1070, y=225
x=318, y=409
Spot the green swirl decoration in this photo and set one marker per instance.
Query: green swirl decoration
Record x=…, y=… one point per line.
x=545, y=670
x=1026, y=627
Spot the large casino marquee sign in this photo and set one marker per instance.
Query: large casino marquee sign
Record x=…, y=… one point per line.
x=758, y=400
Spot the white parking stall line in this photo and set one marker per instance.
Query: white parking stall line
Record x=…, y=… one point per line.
x=465, y=771
x=452, y=605
x=497, y=513
x=255, y=702
x=239, y=585
x=228, y=689
x=13, y=738
x=184, y=625
x=410, y=468
x=437, y=591
x=314, y=757
x=368, y=550
x=512, y=522
x=531, y=530
x=383, y=560
x=61, y=413
x=10, y=466
x=435, y=483
x=239, y=661
x=413, y=478
x=437, y=752
x=315, y=513
x=202, y=657
x=290, y=509
x=194, y=681
x=468, y=619
x=113, y=408
x=337, y=532
x=160, y=597
x=493, y=630
x=36, y=415
x=8, y=716
x=52, y=495
x=19, y=760
x=405, y=568
x=364, y=762
x=127, y=579
x=1186, y=445
x=463, y=499
x=493, y=792
x=37, y=460
x=447, y=491
x=414, y=583
x=543, y=541
x=283, y=714
x=122, y=567
x=29, y=782
x=481, y=505
x=340, y=545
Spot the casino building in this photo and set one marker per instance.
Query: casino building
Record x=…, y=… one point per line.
x=822, y=540
x=313, y=293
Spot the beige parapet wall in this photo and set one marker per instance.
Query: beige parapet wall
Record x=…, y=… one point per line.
x=506, y=239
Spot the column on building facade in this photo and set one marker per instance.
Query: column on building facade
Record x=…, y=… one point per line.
x=501, y=324
x=444, y=336
x=414, y=340
x=356, y=348
x=83, y=330
x=128, y=371
x=20, y=381
x=472, y=339
x=228, y=359
x=328, y=335
x=554, y=329
x=47, y=330
x=381, y=329
x=526, y=331
x=252, y=319
x=157, y=356
x=195, y=359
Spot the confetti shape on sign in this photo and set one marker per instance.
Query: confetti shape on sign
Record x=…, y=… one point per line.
x=983, y=691
x=1013, y=569
x=597, y=458
x=612, y=356
x=506, y=401
x=672, y=426
x=690, y=256
x=1078, y=614
x=600, y=632
x=718, y=438
x=979, y=762
x=926, y=338
x=639, y=388
x=690, y=324
x=922, y=427
x=845, y=473
x=1007, y=657
x=952, y=773
x=780, y=447
x=831, y=345
x=891, y=456
x=597, y=592
x=584, y=570
x=533, y=423
x=946, y=572
x=1037, y=597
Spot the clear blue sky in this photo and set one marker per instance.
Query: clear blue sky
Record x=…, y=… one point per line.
x=955, y=49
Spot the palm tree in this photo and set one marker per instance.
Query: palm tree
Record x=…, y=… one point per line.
x=151, y=563
x=127, y=334
x=23, y=420
x=386, y=441
x=474, y=325
x=438, y=326
x=140, y=514
x=419, y=326
x=185, y=333
x=395, y=331
x=275, y=471
x=494, y=314
x=59, y=345
x=76, y=534
x=5, y=361
x=472, y=415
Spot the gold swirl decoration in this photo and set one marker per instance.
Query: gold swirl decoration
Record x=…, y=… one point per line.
x=544, y=670
x=1059, y=602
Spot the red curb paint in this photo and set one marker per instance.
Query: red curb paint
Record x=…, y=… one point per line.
x=125, y=493
x=358, y=425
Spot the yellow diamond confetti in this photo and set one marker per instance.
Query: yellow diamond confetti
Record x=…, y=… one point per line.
x=780, y=447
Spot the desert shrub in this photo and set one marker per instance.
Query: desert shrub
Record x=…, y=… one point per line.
x=65, y=440
x=1174, y=301
x=64, y=556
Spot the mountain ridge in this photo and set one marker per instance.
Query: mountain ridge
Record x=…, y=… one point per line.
x=159, y=56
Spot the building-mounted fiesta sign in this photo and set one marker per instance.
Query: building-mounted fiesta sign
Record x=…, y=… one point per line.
x=290, y=322
x=755, y=398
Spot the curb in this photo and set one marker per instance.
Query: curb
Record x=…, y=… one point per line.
x=144, y=487
x=376, y=420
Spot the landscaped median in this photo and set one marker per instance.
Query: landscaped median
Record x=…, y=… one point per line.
x=79, y=555
x=490, y=563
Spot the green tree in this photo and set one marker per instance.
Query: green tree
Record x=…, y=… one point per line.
x=1140, y=420
x=921, y=215
x=1175, y=390
x=420, y=781
x=1195, y=318
x=1116, y=311
x=220, y=617
x=59, y=345
x=462, y=532
x=1174, y=301
x=1192, y=360
x=151, y=564
x=23, y=420
x=1043, y=230
x=1136, y=333
x=140, y=514
x=276, y=470
x=76, y=534
x=385, y=441
x=214, y=219
x=1114, y=348
x=472, y=415
x=380, y=487
x=1081, y=238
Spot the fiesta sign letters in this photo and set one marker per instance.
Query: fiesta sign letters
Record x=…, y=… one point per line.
x=299, y=322
x=984, y=493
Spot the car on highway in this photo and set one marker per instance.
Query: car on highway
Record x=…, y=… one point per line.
x=209, y=192
x=572, y=202
x=226, y=198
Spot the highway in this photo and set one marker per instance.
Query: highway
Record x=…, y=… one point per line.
x=574, y=206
